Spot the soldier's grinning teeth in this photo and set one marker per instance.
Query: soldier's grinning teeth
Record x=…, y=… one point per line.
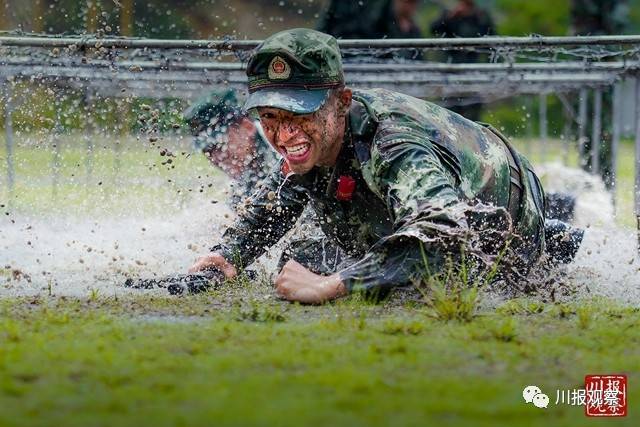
x=296, y=150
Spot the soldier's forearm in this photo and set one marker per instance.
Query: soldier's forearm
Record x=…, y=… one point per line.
x=262, y=220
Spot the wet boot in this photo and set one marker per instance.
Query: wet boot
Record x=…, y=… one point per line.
x=563, y=240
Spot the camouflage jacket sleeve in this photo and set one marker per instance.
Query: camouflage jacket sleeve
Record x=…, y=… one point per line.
x=262, y=220
x=429, y=217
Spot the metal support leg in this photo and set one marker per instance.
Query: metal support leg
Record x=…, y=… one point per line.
x=88, y=136
x=529, y=112
x=637, y=159
x=56, y=161
x=596, y=134
x=616, y=118
x=566, y=134
x=543, y=126
x=124, y=108
x=582, y=126
x=8, y=129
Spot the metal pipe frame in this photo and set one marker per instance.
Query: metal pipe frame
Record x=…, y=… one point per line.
x=399, y=77
x=534, y=42
x=591, y=75
x=180, y=65
x=151, y=87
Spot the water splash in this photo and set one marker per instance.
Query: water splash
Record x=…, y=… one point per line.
x=75, y=256
x=607, y=263
x=64, y=255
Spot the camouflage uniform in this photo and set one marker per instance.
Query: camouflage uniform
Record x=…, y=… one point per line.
x=209, y=119
x=427, y=180
x=419, y=169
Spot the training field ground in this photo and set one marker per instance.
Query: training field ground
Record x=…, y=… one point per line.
x=77, y=349
x=187, y=362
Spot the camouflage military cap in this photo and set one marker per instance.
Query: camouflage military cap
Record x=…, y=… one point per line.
x=214, y=112
x=294, y=70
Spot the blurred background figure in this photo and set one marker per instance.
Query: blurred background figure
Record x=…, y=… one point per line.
x=354, y=19
x=230, y=140
x=373, y=19
x=403, y=24
x=465, y=19
x=597, y=18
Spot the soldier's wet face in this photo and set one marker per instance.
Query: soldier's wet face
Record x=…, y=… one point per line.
x=238, y=150
x=308, y=140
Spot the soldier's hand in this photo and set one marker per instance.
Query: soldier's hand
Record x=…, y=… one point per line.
x=214, y=260
x=296, y=283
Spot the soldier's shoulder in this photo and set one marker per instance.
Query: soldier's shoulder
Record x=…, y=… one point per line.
x=380, y=116
x=373, y=110
x=384, y=104
x=390, y=107
x=402, y=117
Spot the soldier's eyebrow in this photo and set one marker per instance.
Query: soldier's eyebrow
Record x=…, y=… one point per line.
x=303, y=115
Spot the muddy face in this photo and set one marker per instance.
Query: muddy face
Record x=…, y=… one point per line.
x=238, y=151
x=307, y=140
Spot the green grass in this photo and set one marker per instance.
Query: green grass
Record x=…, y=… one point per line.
x=165, y=361
x=134, y=174
x=227, y=358
x=67, y=179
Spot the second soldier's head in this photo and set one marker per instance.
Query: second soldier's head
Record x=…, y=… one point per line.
x=222, y=131
x=297, y=91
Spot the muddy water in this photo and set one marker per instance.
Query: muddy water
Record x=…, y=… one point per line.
x=78, y=256
x=607, y=263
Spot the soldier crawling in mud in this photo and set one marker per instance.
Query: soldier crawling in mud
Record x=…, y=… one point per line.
x=396, y=182
x=231, y=141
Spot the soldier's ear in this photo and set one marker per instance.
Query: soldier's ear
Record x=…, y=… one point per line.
x=344, y=101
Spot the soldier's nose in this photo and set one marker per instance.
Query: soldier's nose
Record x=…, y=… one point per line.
x=287, y=131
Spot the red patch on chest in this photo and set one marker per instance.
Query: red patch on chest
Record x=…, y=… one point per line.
x=346, y=187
